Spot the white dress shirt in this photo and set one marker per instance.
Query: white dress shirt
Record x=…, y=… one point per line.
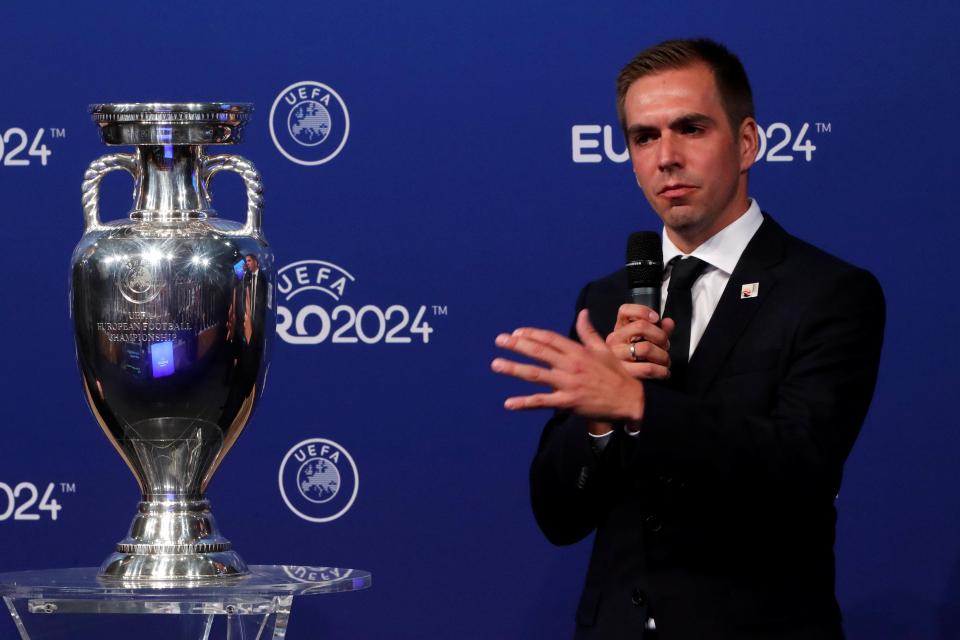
x=721, y=253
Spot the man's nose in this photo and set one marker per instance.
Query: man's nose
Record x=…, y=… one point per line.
x=669, y=153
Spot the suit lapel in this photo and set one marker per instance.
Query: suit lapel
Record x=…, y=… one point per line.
x=733, y=313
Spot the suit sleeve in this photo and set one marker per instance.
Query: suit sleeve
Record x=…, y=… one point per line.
x=570, y=484
x=796, y=446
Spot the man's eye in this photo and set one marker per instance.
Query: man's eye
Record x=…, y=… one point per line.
x=642, y=139
x=691, y=129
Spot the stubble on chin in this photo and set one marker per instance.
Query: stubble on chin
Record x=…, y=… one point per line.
x=681, y=218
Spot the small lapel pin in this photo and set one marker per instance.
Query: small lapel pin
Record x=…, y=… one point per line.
x=749, y=290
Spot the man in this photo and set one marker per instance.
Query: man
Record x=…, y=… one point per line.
x=254, y=298
x=707, y=452
x=248, y=316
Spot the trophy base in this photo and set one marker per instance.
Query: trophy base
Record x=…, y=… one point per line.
x=173, y=542
x=172, y=569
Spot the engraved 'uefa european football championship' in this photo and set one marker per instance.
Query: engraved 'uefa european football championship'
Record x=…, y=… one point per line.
x=173, y=315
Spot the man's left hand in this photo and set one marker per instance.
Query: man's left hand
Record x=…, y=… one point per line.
x=586, y=378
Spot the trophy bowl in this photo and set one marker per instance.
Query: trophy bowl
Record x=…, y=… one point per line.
x=173, y=317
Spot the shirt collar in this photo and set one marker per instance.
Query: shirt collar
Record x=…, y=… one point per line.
x=724, y=248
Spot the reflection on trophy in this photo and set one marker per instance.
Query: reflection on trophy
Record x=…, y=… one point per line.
x=173, y=316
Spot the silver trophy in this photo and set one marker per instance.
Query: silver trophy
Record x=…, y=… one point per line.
x=173, y=318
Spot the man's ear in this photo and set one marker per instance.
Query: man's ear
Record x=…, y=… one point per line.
x=749, y=141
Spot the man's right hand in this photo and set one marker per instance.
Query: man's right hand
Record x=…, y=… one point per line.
x=637, y=326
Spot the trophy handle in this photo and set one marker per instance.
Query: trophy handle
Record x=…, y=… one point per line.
x=91, y=184
x=212, y=165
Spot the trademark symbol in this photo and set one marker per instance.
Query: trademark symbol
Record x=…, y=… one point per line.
x=439, y=309
x=58, y=132
x=68, y=487
x=824, y=127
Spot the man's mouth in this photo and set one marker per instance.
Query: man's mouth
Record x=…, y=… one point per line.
x=677, y=190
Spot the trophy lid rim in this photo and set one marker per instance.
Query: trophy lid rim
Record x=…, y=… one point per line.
x=184, y=123
x=239, y=108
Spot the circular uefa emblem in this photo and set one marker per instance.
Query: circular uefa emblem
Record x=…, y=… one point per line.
x=309, y=123
x=318, y=480
x=138, y=282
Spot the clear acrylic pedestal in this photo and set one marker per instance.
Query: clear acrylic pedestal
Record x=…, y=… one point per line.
x=76, y=604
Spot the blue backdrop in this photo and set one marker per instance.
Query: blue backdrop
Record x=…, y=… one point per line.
x=477, y=150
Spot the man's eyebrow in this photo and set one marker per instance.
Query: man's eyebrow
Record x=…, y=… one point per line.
x=691, y=118
x=640, y=128
x=687, y=119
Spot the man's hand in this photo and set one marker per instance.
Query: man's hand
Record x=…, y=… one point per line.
x=636, y=325
x=588, y=378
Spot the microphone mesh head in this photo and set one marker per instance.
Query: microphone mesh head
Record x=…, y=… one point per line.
x=644, y=259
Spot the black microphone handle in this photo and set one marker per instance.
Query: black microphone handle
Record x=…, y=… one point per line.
x=647, y=296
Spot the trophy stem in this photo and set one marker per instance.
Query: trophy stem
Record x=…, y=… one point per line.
x=171, y=183
x=173, y=541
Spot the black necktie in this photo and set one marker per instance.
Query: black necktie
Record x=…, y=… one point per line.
x=680, y=307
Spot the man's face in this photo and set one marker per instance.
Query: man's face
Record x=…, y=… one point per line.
x=689, y=162
x=251, y=264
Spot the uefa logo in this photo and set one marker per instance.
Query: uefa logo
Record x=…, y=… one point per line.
x=303, y=573
x=137, y=282
x=309, y=123
x=311, y=311
x=318, y=480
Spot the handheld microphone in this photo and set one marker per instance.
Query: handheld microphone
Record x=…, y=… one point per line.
x=644, y=269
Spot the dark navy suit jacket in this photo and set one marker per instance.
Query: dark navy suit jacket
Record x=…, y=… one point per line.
x=718, y=519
